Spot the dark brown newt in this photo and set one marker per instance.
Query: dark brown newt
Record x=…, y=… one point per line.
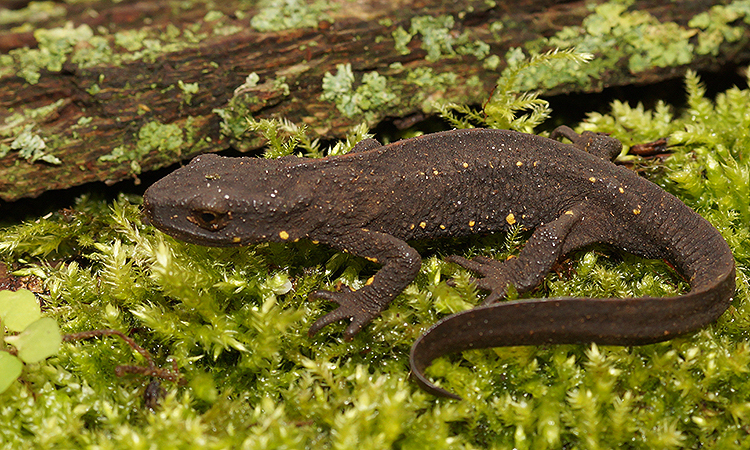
x=372, y=200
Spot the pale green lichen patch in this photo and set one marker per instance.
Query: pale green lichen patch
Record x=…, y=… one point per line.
x=492, y=62
x=34, y=114
x=427, y=77
x=94, y=51
x=131, y=40
x=716, y=26
x=430, y=84
x=30, y=146
x=32, y=13
x=246, y=99
x=438, y=38
x=83, y=47
x=371, y=94
x=367, y=95
x=647, y=41
x=55, y=45
x=218, y=27
x=280, y=84
x=435, y=33
x=250, y=82
x=147, y=45
x=18, y=129
x=155, y=136
x=213, y=16
x=401, y=39
x=614, y=31
x=277, y=15
x=152, y=137
x=188, y=90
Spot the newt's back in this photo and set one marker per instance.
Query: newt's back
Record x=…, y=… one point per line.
x=462, y=182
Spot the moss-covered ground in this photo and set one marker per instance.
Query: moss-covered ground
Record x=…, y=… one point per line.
x=234, y=322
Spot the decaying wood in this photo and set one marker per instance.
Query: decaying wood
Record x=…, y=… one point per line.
x=88, y=123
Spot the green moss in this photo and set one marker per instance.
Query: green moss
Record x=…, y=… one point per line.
x=510, y=107
x=235, y=321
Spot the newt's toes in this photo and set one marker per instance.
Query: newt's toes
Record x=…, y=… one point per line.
x=494, y=297
x=331, y=296
x=354, y=328
x=487, y=261
x=467, y=264
x=332, y=317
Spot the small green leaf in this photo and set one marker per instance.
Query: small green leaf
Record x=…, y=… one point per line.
x=18, y=309
x=38, y=341
x=10, y=370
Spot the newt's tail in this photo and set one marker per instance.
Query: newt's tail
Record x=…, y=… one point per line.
x=611, y=321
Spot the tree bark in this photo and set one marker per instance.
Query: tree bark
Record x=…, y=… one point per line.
x=123, y=99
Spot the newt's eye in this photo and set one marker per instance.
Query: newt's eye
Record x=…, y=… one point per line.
x=209, y=220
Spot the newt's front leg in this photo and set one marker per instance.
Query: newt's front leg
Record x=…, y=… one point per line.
x=401, y=264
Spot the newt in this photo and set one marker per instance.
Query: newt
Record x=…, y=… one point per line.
x=372, y=201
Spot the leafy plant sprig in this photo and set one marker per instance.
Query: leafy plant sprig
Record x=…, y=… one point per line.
x=502, y=110
x=285, y=137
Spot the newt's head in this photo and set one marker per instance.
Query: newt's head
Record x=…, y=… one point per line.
x=222, y=202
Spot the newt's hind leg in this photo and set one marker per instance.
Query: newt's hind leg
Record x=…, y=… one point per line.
x=530, y=267
x=598, y=144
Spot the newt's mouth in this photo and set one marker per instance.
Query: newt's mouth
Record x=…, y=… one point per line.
x=181, y=225
x=188, y=232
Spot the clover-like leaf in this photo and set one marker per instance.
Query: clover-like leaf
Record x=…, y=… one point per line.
x=18, y=309
x=10, y=370
x=38, y=341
